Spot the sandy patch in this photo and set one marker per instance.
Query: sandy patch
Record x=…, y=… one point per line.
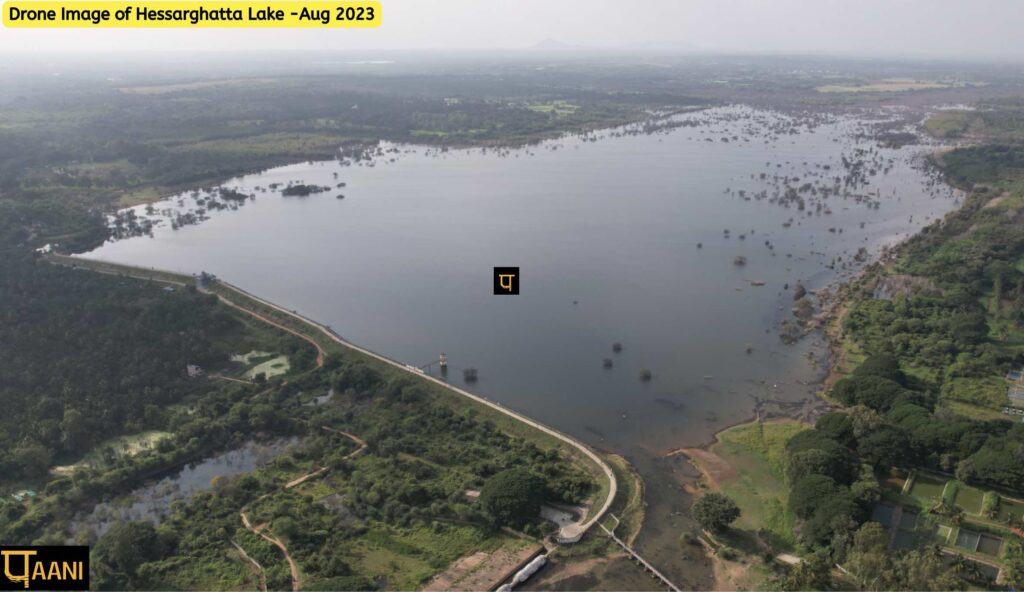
x=995, y=201
x=713, y=468
x=483, y=571
x=273, y=367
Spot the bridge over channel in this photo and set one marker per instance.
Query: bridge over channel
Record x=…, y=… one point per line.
x=640, y=560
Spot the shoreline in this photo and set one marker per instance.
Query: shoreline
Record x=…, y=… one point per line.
x=569, y=534
x=716, y=438
x=829, y=322
x=154, y=193
x=704, y=460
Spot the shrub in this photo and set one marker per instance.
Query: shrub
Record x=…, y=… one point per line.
x=990, y=504
x=949, y=492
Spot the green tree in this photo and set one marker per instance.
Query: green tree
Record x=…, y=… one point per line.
x=866, y=489
x=835, y=462
x=814, y=572
x=1014, y=561
x=75, y=434
x=834, y=519
x=31, y=459
x=869, y=559
x=513, y=497
x=876, y=392
x=715, y=511
x=925, y=570
x=124, y=548
x=886, y=447
x=806, y=493
x=836, y=425
x=882, y=365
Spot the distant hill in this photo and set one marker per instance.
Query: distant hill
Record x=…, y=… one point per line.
x=554, y=45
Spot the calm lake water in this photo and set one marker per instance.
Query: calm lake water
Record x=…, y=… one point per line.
x=606, y=234
x=620, y=237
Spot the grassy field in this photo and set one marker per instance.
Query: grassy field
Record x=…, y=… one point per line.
x=888, y=86
x=410, y=557
x=747, y=463
x=988, y=392
x=754, y=476
x=629, y=503
x=113, y=448
x=270, y=368
x=951, y=124
x=556, y=108
x=159, y=89
x=928, y=488
x=998, y=120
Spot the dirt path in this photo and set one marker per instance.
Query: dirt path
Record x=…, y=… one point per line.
x=321, y=355
x=362, y=443
x=259, y=568
x=258, y=530
x=261, y=530
x=228, y=378
x=304, y=478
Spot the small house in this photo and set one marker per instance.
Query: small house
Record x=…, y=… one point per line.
x=1016, y=395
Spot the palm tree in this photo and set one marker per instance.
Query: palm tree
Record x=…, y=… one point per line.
x=959, y=564
x=940, y=507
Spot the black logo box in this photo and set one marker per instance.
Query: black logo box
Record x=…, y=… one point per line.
x=68, y=559
x=506, y=281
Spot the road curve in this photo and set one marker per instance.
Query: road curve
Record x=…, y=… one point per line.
x=569, y=534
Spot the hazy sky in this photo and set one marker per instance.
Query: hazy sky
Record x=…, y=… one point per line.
x=950, y=28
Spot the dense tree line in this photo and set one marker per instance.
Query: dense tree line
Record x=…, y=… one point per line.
x=950, y=333
x=974, y=290
x=90, y=143
x=418, y=447
x=423, y=458
x=833, y=473
x=959, y=290
x=84, y=357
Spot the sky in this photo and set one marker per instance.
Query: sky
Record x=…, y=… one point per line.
x=971, y=29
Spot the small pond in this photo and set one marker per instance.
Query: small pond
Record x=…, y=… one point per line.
x=152, y=502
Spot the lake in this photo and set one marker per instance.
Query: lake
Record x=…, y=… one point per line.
x=620, y=236
x=621, y=239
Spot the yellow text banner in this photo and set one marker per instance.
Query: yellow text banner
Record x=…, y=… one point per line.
x=174, y=14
